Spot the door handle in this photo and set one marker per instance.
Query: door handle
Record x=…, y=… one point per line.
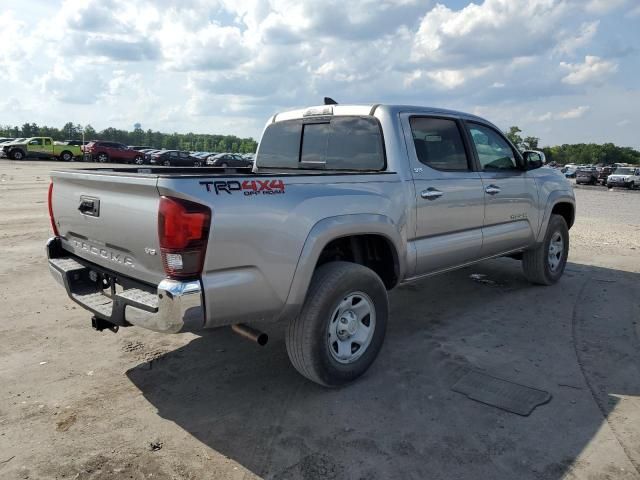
x=492, y=189
x=431, y=193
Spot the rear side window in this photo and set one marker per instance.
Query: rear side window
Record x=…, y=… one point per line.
x=438, y=143
x=332, y=143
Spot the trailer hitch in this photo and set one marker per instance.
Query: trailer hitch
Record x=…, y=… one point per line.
x=100, y=325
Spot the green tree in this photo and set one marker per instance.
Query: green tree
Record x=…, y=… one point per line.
x=514, y=137
x=531, y=142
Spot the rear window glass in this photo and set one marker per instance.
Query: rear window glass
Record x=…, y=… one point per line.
x=336, y=143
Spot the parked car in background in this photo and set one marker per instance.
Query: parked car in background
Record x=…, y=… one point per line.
x=7, y=141
x=604, y=173
x=40, y=147
x=587, y=175
x=148, y=153
x=228, y=160
x=140, y=147
x=624, y=177
x=569, y=171
x=171, y=158
x=99, y=151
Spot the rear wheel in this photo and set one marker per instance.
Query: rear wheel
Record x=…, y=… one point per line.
x=197, y=163
x=545, y=264
x=341, y=327
x=102, y=158
x=139, y=160
x=66, y=156
x=166, y=163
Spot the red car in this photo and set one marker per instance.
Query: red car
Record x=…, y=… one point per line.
x=98, y=151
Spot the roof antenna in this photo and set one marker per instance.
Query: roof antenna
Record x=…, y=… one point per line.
x=330, y=101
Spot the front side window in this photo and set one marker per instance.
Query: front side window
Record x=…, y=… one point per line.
x=37, y=141
x=438, y=143
x=494, y=153
x=336, y=143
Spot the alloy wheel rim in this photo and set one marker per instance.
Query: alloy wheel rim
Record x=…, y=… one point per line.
x=351, y=327
x=556, y=250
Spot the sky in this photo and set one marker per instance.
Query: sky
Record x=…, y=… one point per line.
x=566, y=71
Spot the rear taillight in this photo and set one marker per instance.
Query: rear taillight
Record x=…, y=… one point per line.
x=183, y=228
x=50, y=204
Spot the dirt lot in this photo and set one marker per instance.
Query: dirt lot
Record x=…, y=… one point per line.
x=84, y=405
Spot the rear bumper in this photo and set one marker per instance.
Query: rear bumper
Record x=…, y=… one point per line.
x=174, y=307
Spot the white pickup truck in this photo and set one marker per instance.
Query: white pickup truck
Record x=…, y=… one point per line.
x=344, y=203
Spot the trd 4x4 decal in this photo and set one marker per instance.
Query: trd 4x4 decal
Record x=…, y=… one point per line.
x=247, y=187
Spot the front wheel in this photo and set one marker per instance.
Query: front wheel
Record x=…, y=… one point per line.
x=17, y=155
x=341, y=327
x=632, y=185
x=544, y=265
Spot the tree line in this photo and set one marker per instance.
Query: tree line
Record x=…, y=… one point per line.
x=171, y=141
x=580, y=153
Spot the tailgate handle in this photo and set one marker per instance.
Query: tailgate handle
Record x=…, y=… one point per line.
x=89, y=206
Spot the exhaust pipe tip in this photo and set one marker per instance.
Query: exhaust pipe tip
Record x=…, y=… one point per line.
x=250, y=333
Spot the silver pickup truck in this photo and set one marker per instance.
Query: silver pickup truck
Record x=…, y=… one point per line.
x=344, y=203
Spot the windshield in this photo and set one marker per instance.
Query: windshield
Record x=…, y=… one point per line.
x=624, y=171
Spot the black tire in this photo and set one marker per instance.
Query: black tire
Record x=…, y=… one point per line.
x=224, y=165
x=307, y=335
x=138, y=160
x=66, y=156
x=16, y=154
x=632, y=185
x=536, y=263
x=102, y=158
x=197, y=163
x=166, y=163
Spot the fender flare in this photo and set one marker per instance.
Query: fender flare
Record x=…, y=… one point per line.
x=555, y=197
x=330, y=229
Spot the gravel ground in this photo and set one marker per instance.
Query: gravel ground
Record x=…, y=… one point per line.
x=76, y=404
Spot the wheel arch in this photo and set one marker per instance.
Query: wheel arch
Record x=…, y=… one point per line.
x=562, y=203
x=371, y=240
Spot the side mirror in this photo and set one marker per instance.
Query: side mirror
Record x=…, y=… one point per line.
x=533, y=159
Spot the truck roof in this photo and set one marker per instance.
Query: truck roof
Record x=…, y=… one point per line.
x=367, y=109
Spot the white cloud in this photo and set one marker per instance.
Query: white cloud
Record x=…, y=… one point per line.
x=603, y=6
x=71, y=85
x=634, y=12
x=571, y=43
x=447, y=79
x=493, y=29
x=594, y=69
x=577, y=112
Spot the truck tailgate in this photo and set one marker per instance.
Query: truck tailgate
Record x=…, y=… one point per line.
x=110, y=220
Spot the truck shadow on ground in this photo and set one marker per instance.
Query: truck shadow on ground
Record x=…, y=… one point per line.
x=401, y=420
